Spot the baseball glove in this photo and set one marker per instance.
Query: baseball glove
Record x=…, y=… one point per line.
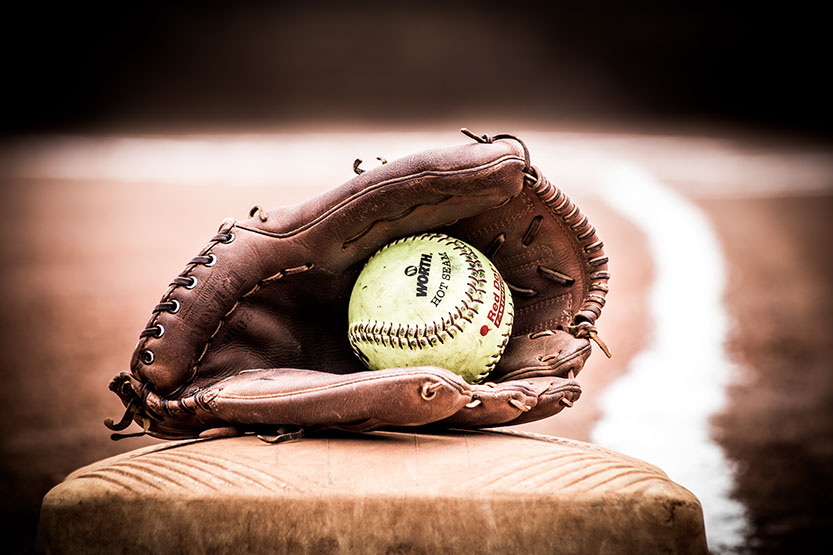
x=251, y=337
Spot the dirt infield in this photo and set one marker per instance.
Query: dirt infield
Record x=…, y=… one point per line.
x=84, y=262
x=779, y=424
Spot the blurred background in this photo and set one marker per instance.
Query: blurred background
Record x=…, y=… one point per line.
x=193, y=65
x=128, y=132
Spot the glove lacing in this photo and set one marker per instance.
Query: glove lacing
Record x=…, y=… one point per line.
x=581, y=327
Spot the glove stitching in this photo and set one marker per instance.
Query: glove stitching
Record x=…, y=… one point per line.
x=557, y=323
x=279, y=275
x=594, y=247
x=205, y=258
x=569, y=213
x=225, y=236
x=491, y=250
x=340, y=207
x=401, y=215
x=501, y=224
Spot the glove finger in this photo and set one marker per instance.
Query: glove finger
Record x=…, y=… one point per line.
x=554, y=395
x=549, y=254
x=510, y=402
x=366, y=400
x=406, y=196
x=542, y=354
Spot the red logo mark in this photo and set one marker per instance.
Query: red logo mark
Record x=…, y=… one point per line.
x=484, y=330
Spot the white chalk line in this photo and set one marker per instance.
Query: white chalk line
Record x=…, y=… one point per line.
x=697, y=166
x=659, y=410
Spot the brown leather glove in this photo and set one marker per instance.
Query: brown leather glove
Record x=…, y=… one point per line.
x=252, y=335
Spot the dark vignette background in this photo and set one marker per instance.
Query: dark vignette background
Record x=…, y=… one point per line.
x=157, y=67
x=154, y=65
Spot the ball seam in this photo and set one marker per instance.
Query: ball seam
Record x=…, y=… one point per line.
x=419, y=336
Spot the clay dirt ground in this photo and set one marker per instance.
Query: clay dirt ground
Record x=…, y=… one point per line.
x=84, y=262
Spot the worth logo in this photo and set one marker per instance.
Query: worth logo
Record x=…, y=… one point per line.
x=422, y=275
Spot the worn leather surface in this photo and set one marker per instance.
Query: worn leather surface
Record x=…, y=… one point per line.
x=382, y=492
x=252, y=332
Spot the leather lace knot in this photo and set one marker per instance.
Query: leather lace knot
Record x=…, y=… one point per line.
x=488, y=139
x=587, y=330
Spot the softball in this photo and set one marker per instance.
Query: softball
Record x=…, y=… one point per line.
x=430, y=300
